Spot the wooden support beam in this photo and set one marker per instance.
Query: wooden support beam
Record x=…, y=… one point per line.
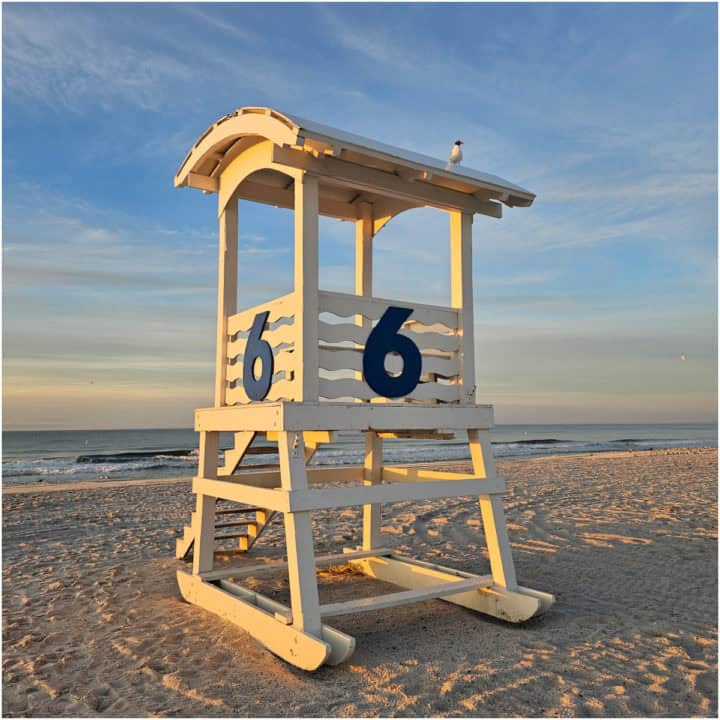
x=383, y=417
x=461, y=296
x=372, y=513
x=513, y=606
x=304, y=598
x=403, y=598
x=331, y=497
x=227, y=292
x=493, y=514
x=367, y=179
x=289, y=642
x=271, y=567
x=306, y=286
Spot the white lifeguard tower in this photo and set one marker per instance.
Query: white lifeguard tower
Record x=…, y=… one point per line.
x=299, y=368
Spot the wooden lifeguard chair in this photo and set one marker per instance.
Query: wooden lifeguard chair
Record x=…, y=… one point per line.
x=301, y=367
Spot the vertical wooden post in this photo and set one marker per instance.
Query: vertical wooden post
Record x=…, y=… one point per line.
x=372, y=475
x=461, y=296
x=227, y=290
x=493, y=513
x=306, y=286
x=304, y=598
x=204, y=517
x=372, y=472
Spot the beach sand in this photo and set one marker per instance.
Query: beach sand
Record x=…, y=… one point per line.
x=93, y=623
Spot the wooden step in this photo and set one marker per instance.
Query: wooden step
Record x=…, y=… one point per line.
x=235, y=523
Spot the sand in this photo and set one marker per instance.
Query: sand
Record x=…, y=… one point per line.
x=93, y=623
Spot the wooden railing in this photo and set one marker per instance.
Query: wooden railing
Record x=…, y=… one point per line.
x=344, y=323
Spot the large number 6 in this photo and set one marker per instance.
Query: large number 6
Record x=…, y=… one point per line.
x=258, y=388
x=384, y=339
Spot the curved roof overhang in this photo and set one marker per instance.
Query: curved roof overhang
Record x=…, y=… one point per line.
x=352, y=169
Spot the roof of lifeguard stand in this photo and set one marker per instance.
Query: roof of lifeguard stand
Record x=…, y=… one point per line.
x=235, y=132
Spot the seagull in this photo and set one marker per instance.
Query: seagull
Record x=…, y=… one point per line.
x=455, y=155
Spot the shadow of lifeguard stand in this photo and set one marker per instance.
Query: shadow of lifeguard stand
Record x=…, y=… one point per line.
x=287, y=371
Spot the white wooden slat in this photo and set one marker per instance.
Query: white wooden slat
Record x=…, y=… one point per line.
x=284, y=362
x=351, y=359
x=340, y=332
x=284, y=306
x=345, y=305
x=281, y=390
x=347, y=387
x=406, y=596
x=275, y=337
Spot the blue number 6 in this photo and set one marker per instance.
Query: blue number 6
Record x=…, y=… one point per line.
x=258, y=388
x=383, y=339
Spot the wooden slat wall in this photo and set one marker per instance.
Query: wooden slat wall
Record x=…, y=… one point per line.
x=433, y=329
x=281, y=335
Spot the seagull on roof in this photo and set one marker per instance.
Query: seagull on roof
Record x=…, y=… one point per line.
x=455, y=155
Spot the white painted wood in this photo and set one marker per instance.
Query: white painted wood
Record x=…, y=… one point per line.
x=344, y=332
x=304, y=598
x=272, y=567
x=493, y=514
x=227, y=292
x=372, y=475
x=343, y=416
x=306, y=285
x=346, y=305
x=512, y=606
x=334, y=497
x=203, y=519
x=282, y=307
x=352, y=358
x=403, y=598
x=461, y=296
x=287, y=641
x=275, y=337
x=341, y=172
x=243, y=493
x=350, y=388
x=233, y=456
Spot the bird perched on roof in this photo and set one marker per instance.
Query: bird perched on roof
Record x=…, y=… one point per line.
x=455, y=155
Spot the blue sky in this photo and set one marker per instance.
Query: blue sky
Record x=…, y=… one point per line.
x=585, y=303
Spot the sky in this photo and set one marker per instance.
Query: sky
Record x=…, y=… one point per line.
x=598, y=304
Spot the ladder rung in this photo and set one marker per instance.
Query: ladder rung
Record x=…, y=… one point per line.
x=230, y=536
x=234, y=523
x=231, y=511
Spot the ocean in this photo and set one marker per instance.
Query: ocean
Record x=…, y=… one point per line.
x=65, y=456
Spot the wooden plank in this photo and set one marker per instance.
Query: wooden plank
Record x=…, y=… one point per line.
x=344, y=332
x=404, y=597
x=227, y=292
x=238, y=492
x=306, y=285
x=372, y=475
x=379, y=182
x=461, y=296
x=346, y=305
x=271, y=567
x=275, y=337
x=394, y=473
x=283, y=366
x=282, y=307
x=287, y=641
x=348, y=387
x=343, y=416
x=512, y=606
x=352, y=359
x=332, y=497
x=304, y=598
x=493, y=514
x=282, y=389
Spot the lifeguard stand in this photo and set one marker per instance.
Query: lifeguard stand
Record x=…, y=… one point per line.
x=299, y=368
